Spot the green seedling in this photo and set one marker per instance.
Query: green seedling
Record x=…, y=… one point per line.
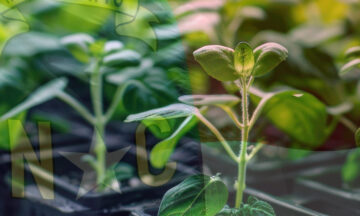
x=99, y=57
x=202, y=195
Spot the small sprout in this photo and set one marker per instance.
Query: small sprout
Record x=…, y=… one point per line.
x=244, y=59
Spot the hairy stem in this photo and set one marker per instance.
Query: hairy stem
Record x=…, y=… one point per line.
x=233, y=116
x=71, y=101
x=241, y=184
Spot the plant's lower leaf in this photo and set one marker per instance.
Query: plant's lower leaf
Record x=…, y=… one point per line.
x=162, y=151
x=197, y=195
x=41, y=95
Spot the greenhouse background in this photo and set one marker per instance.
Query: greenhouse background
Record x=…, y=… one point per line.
x=179, y=107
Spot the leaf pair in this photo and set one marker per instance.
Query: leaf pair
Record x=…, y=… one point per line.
x=226, y=64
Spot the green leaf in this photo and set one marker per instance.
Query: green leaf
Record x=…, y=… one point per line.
x=197, y=195
x=357, y=137
x=122, y=58
x=353, y=52
x=161, y=129
x=217, y=61
x=41, y=95
x=30, y=44
x=168, y=112
x=81, y=40
x=161, y=153
x=130, y=73
x=113, y=46
x=244, y=59
x=351, y=169
x=351, y=71
x=78, y=45
x=4, y=130
x=227, y=211
x=205, y=100
x=300, y=115
x=257, y=207
x=268, y=56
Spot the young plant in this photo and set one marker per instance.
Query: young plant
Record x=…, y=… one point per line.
x=98, y=57
x=202, y=195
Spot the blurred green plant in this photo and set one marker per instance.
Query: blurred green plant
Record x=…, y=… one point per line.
x=96, y=61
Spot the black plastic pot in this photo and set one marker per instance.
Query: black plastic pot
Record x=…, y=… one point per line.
x=325, y=184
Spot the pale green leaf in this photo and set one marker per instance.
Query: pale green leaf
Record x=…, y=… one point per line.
x=244, y=59
x=112, y=46
x=268, y=56
x=78, y=45
x=197, y=195
x=217, y=61
x=125, y=57
x=161, y=153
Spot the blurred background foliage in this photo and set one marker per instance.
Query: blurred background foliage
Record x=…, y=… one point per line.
x=316, y=32
x=152, y=73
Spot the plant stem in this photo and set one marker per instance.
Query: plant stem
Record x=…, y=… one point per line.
x=243, y=150
x=114, y=104
x=348, y=123
x=99, y=126
x=71, y=101
x=218, y=135
x=232, y=115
